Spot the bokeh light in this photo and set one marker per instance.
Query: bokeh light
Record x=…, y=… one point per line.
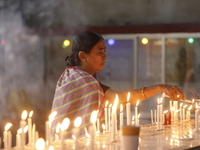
x=111, y=41
x=66, y=43
x=144, y=40
x=190, y=40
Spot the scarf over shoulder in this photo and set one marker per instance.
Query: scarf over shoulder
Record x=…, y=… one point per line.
x=77, y=94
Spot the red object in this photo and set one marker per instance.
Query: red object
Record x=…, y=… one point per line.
x=169, y=117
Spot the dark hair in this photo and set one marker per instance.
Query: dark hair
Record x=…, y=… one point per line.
x=83, y=41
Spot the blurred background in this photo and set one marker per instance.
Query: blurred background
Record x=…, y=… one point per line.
x=148, y=42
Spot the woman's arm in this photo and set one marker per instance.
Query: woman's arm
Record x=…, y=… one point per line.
x=141, y=94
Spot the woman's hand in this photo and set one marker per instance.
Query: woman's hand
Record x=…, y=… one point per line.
x=173, y=92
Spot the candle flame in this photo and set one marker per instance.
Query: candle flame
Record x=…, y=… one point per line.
x=51, y=117
x=30, y=114
x=77, y=122
x=7, y=126
x=40, y=144
x=103, y=126
x=128, y=97
x=106, y=105
x=65, y=124
x=192, y=100
x=110, y=105
x=181, y=104
x=115, y=102
x=197, y=106
x=178, y=96
x=172, y=109
x=51, y=148
x=121, y=107
x=24, y=115
x=190, y=107
x=93, y=117
x=137, y=103
x=58, y=127
x=138, y=116
x=165, y=111
x=26, y=129
x=184, y=106
x=74, y=137
x=19, y=131
x=133, y=118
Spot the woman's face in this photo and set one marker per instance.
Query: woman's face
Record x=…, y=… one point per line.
x=95, y=60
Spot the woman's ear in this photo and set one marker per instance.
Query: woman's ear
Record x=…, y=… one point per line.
x=82, y=56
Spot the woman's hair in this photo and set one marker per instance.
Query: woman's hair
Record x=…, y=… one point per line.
x=83, y=41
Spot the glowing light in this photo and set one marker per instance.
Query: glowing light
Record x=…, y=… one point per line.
x=19, y=131
x=8, y=125
x=51, y=148
x=24, y=115
x=40, y=144
x=30, y=114
x=145, y=40
x=66, y=122
x=77, y=121
x=93, y=117
x=66, y=42
x=111, y=41
x=190, y=40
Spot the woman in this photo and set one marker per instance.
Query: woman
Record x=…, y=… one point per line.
x=78, y=92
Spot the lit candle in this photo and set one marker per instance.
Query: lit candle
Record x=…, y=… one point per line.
x=121, y=116
x=180, y=112
x=40, y=144
x=184, y=112
x=155, y=116
x=33, y=134
x=58, y=132
x=138, y=120
x=133, y=120
x=64, y=126
x=151, y=116
x=22, y=125
x=98, y=123
x=18, y=139
x=106, y=115
x=30, y=129
x=136, y=113
x=161, y=112
x=92, y=129
x=197, y=118
x=48, y=127
x=6, y=136
x=158, y=115
x=188, y=118
x=109, y=117
x=128, y=109
x=114, y=120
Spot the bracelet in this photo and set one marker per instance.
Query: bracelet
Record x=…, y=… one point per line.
x=143, y=93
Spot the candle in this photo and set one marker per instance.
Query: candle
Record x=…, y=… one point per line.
x=184, y=112
x=48, y=127
x=136, y=113
x=58, y=132
x=77, y=123
x=151, y=116
x=189, y=112
x=64, y=126
x=33, y=134
x=121, y=116
x=22, y=125
x=40, y=144
x=138, y=120
x=109, y=117
x=197, y=118
x=92, y=129
x=155, y=118
x=30, y=129
x=133, y=120
x=6, y=136
x=161, y=112
x=9, y=140
x=158, y=115
x=98, y=123
x=106, y=115
x=180, y=112
x=113, y=129
x=18, y=139
x=128, y=109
